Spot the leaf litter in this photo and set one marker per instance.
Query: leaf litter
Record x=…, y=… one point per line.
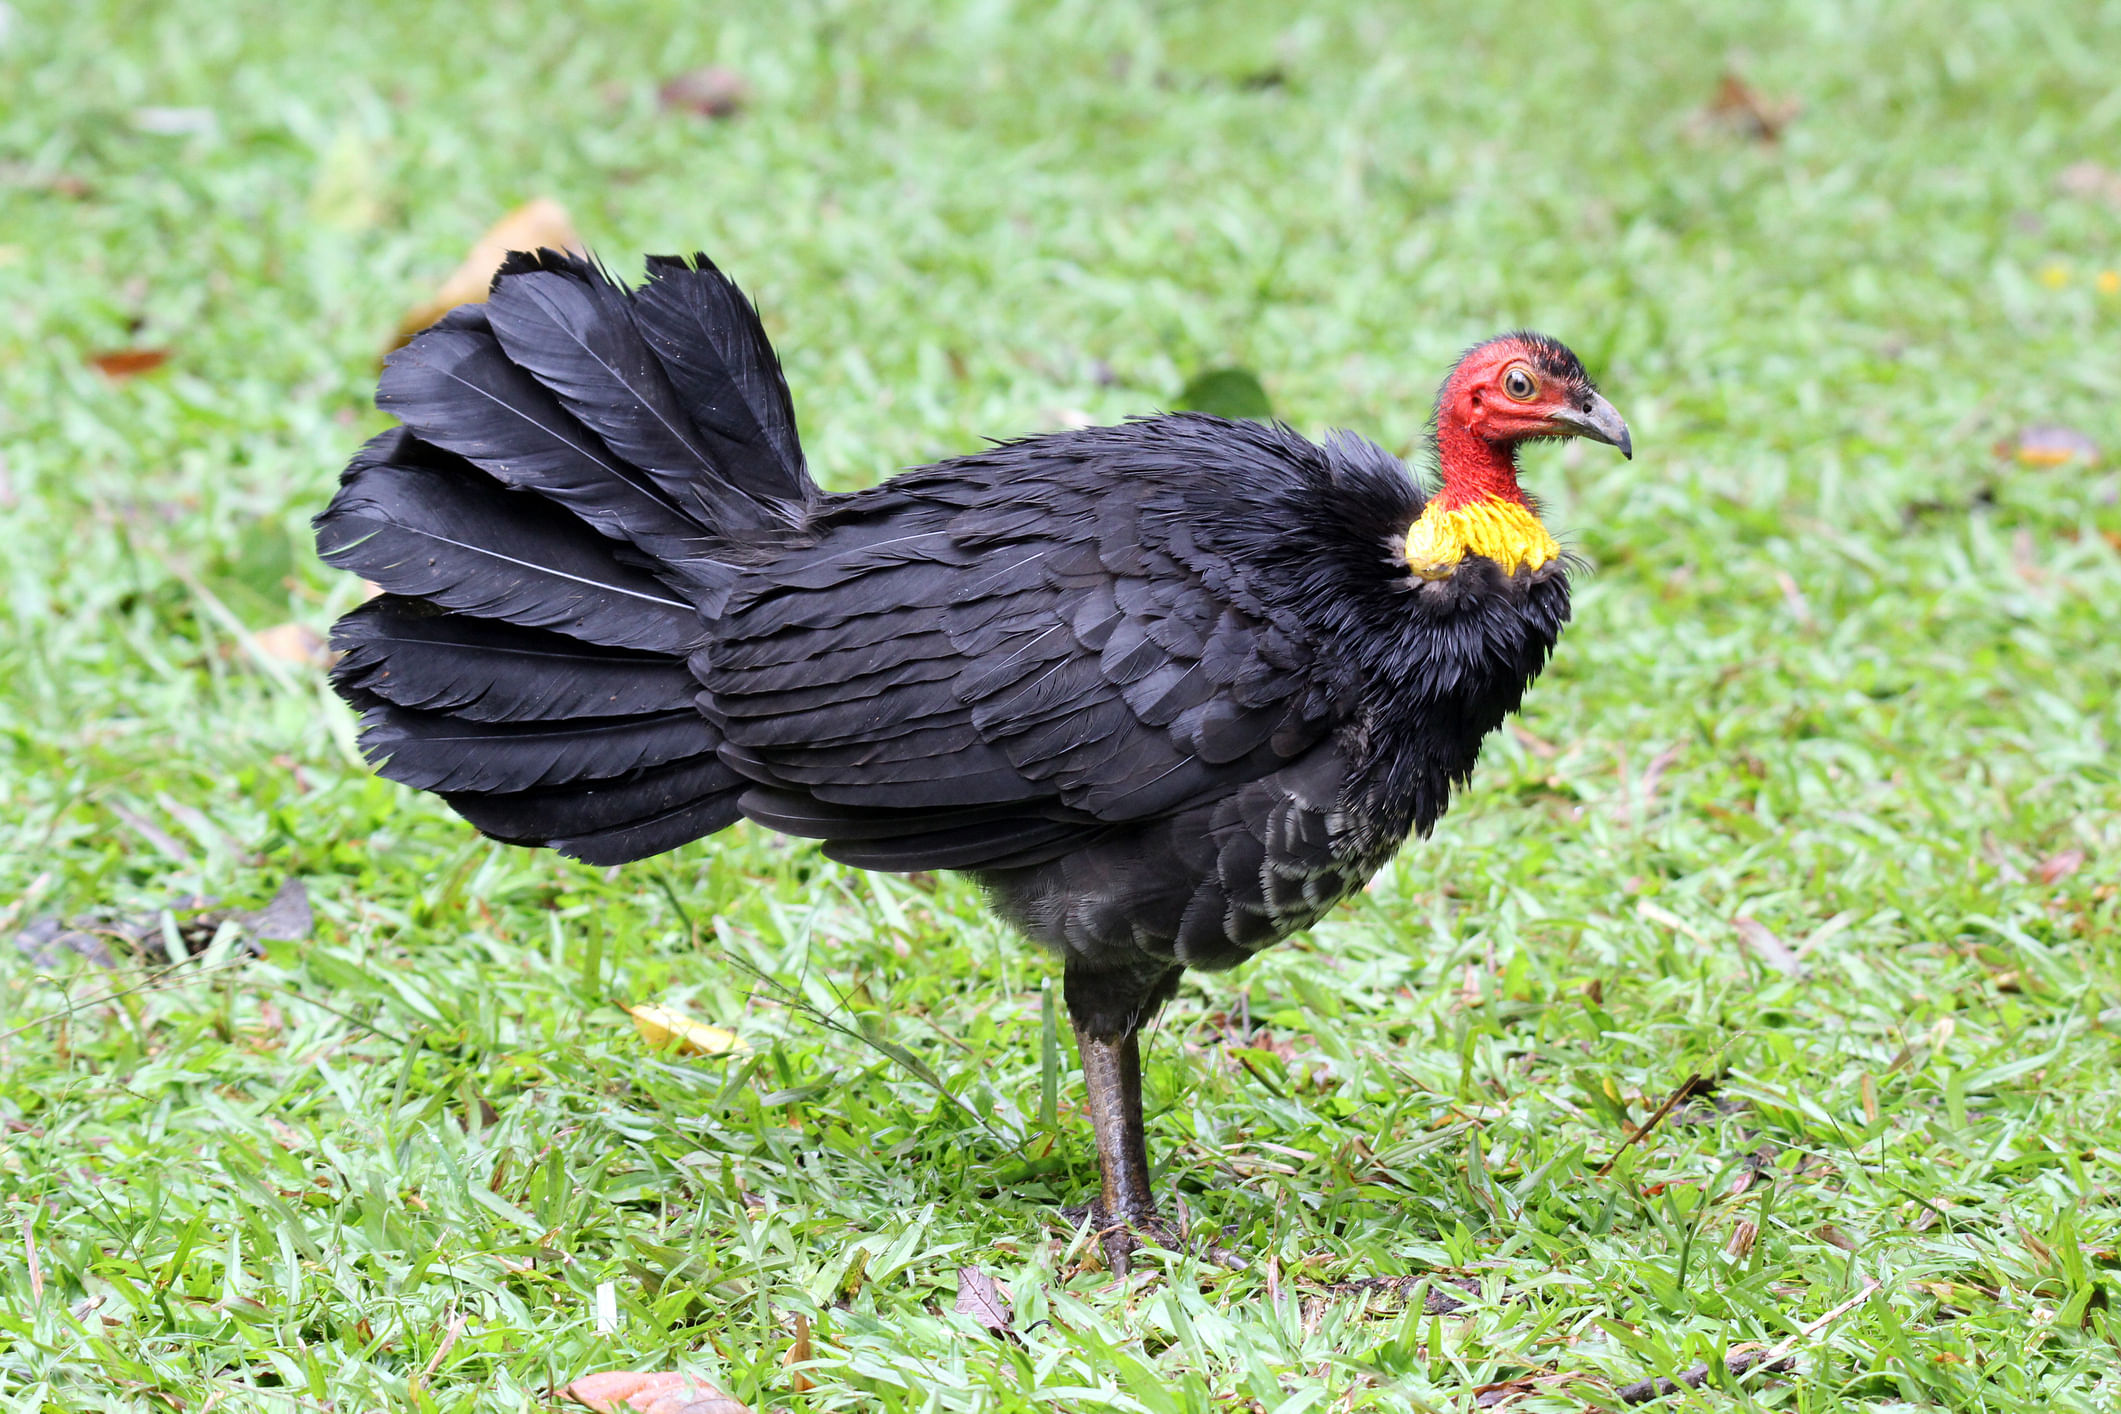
x=539, y=223
x=193, y=919
x=662, y=1392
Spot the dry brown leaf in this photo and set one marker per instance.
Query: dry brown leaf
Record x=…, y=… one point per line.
x=2055, y=868
x=664, y=1026
x=1834, y=1237
x=1771, y=949
x=292, y=643
x=539, y=222
x=1544, y=750
x=983, y=1299
x=799, y=1355
x=711, y=92
x=665, y=1392
x=1738, y=104
x=2048, y=445
x=120, y=364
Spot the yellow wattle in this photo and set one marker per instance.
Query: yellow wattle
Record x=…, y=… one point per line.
x=1505, y=531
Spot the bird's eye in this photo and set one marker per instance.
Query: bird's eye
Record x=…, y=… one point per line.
x=1517, y=382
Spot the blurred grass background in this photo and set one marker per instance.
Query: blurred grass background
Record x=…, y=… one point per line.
x=1845, y=669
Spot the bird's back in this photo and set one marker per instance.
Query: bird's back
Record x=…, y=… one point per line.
x=1167, y=688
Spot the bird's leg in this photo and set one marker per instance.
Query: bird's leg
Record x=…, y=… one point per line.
x=1112, y=1073
x=1109, y=1038
x=1125, y=1213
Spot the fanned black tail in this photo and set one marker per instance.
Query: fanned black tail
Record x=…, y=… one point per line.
x=549, y=527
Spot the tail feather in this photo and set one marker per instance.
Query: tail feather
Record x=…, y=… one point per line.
x=438, y=752
x=714, y=348
x=427, y=524
x=409, y=654
x=553, y=524
x=572, y=328
x=659, y=833
x=456, y=389
x=597, y=808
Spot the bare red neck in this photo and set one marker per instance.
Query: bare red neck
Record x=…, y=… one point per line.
x=1474, y=468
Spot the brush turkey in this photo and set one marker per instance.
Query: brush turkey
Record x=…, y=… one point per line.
x=1168, y=690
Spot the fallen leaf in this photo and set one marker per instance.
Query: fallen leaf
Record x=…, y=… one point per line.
x=292, y=643
x=1771, y=949
x=45, y=941
x=666, y=1392
x=1738, y=104
x=2090, y=181
x=120, y=364
x=1235, y=393
x=288, y=918
x=2049, y=444
x=1743, y=1236
x=711, y=92
x=663, y=1026
x=1544, y=750
x=983, y=1299
x=537, y=223
x=1834, y=1237
x=2058, y=867
x=1392, y=1293
x=798, y=1355
x=175, y=122
x=35, y=179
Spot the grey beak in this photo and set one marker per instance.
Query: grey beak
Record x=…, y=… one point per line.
x=1598, y=420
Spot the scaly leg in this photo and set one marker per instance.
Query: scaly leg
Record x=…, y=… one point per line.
x=1125, y=1212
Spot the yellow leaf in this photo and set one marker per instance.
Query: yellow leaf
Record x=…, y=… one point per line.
x=663, y=1026
x=292, y=643
x=540, y=221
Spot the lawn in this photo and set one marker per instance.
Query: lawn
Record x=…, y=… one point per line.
x=1818, y=801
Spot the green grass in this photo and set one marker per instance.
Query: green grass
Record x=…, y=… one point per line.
x=1840, y=670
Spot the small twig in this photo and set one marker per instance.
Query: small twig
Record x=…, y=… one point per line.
x=1776, y=1359
x=449, y=1340
x=787, y=996
x=370, y=1027
x=1261, y=1077
x=1686, y=1087
x=29, y=1250
x=159, y=980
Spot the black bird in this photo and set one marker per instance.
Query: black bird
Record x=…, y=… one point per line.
x=1168, y=690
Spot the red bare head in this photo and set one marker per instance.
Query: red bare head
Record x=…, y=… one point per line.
x=1510, y=390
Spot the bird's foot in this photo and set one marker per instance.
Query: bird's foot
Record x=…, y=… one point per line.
x=1119, y=1238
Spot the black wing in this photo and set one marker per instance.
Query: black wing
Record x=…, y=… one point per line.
x=983, y=666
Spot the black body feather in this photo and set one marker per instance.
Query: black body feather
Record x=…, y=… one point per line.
x=1167, y=689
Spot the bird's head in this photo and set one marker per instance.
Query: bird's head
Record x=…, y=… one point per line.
x=1513, y=389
